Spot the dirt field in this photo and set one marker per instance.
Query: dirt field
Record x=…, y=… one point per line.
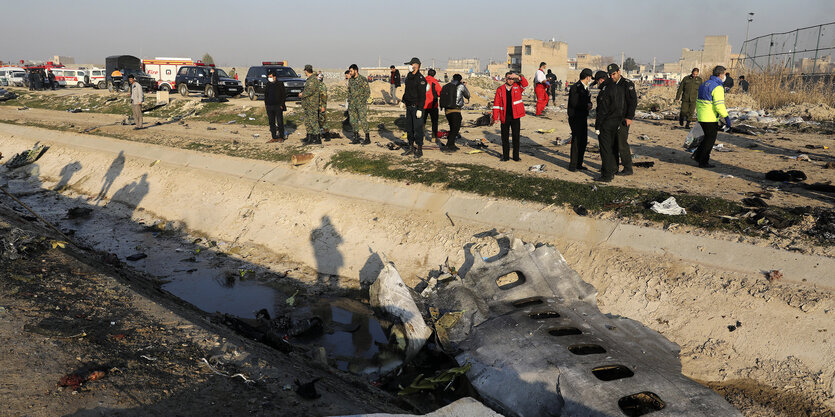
x=738, y=333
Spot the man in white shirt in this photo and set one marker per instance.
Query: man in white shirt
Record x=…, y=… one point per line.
x=540, y=83
x=137, y=97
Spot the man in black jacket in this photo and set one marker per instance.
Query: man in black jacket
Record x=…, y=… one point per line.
x=414, y=97
x=611, y=108
x=579, y=105
x=623, y=155
x=394, y=80
x=214, y=81
x=274, y=96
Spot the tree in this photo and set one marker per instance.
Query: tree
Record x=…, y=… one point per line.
x=630, y=65
x=207, y=59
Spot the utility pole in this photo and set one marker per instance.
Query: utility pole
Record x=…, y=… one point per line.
x=653, y=65
x=747, y=29
x=621, y=59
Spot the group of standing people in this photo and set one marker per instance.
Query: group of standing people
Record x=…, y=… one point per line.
x=41, y=79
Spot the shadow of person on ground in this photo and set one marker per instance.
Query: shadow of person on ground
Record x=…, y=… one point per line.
x=325, y=241
x=113, y=172
x=66, y=174
x=132, y=194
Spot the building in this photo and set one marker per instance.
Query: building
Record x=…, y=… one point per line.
x=463, y=66
x=717, y=51
x=525, y=58
x=497, y=68
x=63, y=60
x=594, y=62
x=816, y=66
x=386, y=71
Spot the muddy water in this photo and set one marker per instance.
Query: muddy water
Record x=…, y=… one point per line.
x=199, y=272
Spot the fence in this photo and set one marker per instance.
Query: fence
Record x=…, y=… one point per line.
x=807, y=51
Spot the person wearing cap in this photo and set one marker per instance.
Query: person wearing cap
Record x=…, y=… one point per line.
x=688, y=93
x=430, y=109
x=394, y=80
x=414, y=97
x=311, y=106
x=611, y=108
x=579, y=105
x=358, y=94
x=540, y=82
x=323, y=109
x=623, y=155
x=710, y=104
x=274, y=103
x=509, y=110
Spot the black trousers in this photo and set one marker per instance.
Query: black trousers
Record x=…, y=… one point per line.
x=276, y=118
x=433, y=114
x=454, y=120
x=608, y=148
x=554, y=93
x=579, y=141
x=515, y=126
x=624, y=154
x=414, y=127
x=702, y=154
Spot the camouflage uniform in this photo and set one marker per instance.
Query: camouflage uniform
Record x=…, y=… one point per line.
x=323, y=102
x=310, y=105
x=358, y=93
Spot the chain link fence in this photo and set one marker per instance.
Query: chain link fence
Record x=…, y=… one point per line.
x=805, y=52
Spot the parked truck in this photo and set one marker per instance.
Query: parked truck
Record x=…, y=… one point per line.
x=164, y=71
x=117, y=69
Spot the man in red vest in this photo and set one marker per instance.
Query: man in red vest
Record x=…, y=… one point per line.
x=431, y=107
x=509, y=110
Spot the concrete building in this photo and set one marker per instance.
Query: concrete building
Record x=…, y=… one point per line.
x=525, y=58
x=595, y=62
x=463, y=65
x=65, y=60
x=497, y=68
x=386, y=71
x=717, y=51
x=813, y=66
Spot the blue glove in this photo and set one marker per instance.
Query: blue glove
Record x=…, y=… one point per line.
x=728, y=122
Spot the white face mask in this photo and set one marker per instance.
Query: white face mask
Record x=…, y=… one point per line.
x=723, y=78
x=272, y=80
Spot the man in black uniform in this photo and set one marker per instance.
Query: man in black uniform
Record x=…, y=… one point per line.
x=611, y=109
x=623, y=155
x=552, y=85
x=274, y=96
x=414, y=97
x=579, y=104
x=214, y=81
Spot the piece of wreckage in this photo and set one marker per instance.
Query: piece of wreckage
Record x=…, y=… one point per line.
x=538, y=345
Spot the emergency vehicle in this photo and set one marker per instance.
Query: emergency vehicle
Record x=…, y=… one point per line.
x=164, y=70
x=13, y=76
x=66, y=77
x=95, y=78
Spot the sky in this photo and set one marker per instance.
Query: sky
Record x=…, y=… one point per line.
x=335, y=34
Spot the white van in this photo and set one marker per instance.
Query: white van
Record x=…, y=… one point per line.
x=69, y=77
x=95, y=78
x=12, y=76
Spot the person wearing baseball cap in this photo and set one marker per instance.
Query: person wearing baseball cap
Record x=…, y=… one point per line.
x=623, y=155
x=579, y=105
x=414, y=97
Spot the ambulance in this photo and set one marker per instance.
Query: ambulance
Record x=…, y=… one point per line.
x=66, y=77
x=164, y=70
x=95, y=78
x=13, y=76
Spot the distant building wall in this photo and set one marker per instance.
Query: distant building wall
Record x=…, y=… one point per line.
x=66, y=60
x=464, y=65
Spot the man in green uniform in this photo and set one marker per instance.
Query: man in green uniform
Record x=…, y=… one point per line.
x=688, y=93
x=310, y=106
x=323, y=107
x=358, y=93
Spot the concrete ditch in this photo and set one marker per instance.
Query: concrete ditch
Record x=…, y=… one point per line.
x=337, y=224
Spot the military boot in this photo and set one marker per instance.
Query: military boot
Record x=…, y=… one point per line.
x=355, y=138
x=367, y=140
x=419, y=152
x=317, y=139
x=687, y=126
x=680, y=119
x=408, y=150
x=326, y=136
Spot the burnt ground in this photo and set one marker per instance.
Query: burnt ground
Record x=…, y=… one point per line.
x=122, y=346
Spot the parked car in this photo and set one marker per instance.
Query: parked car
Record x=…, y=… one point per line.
x=127, y=65
x=256, y=78
x=13, y=76
x=195, y=78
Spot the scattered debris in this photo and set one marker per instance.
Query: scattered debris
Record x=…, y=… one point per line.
x=291, y=300
x=231, y=122
x=473, y=151
x=581, y=211
x=754, y=202
x=644, y=164
x=669, y=207
x=537, y=168
x=74, y=110
x=562, y=142
x=389, y=294
x=773, y=275
x=551, y=130
x=301, y=158
x=643, y=137
x=725, y=176
x=255, y=135
x=733, y=327
x=443, y=380
x=392, y=146
x=27, y=157
x=484, y=120
x=307, y=390
x=136, y=257
x=719, y=147
x=210, y=128
x=79, y=213
x=782, y=176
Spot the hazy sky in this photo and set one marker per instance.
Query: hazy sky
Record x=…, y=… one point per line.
x=334, y=34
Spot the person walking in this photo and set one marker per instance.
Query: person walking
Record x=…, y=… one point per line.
x=540, y=83
x=711, y=103
x=623, y=155
x=414, y=97
x=323, y=107
x=274, y=102
x=688, y=93
x=728, y=84
x=310, y=106
x=611, y=109
x=743, y=83
x=552, y=86
x=137, y=97
x=454, y=93
x=394, y=80
x=579, y=105
x=509, y=109
x=430, y=110
x=358, y=94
